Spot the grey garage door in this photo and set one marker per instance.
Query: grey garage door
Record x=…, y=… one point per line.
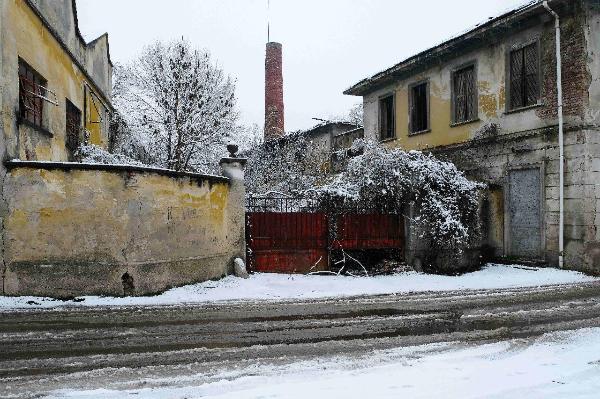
x=524, y=210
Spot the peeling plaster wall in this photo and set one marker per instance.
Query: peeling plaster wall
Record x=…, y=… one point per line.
x=3, y=88
x=98, y=65
x=25, y=36
x=592, y=247
x=321, y=142
x=593, y=54
x=490, y=63
x=74, y=232
x=61, y=16
x=3, y=117
x=524, y=139
x=491, y=162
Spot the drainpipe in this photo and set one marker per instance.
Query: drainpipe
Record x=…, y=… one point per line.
x=561, y=223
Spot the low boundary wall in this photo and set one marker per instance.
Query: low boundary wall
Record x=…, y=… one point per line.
x=81, y=229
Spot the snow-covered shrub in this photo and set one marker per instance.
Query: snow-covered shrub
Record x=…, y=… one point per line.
x=290, y=165
x=90, y=153
x=390, y=180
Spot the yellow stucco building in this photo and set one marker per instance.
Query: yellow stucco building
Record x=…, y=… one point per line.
x=56, y=88
x=71, y=228
x=486, y=100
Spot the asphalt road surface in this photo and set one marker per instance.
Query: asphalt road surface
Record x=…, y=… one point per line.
x=47, y=350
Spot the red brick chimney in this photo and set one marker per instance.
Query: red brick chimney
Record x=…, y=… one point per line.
x=274, y=125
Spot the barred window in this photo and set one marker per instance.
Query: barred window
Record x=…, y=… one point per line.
x=465, y=95
x=386, y=118
x=73, y=127
x=31, y=94
x=419, y=108
x=524, y=77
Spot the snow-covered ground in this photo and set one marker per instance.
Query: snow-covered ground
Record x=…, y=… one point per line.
x=284, y=287
x=562, y=365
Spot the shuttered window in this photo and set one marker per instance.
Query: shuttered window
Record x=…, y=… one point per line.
x=419, y=108
x=386, y=118
x=465, y=95
x=524, y=77
x=73, y=127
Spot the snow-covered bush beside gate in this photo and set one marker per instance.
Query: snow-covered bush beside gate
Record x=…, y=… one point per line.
x=445, y=203
x=440, y=202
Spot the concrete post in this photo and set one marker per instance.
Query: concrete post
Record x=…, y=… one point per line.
x=233, y=168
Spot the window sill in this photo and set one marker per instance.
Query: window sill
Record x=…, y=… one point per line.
x=387, y=140
x=419, y=132
x=455, y=124
x=40, y=129
x=527, y=108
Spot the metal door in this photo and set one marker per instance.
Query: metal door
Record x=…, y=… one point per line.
x=369, y=231
x=287, y=242
x=524, y=213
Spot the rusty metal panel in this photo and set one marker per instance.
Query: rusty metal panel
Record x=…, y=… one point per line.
x=369, y=231
x=525, y=213
x=287, y=242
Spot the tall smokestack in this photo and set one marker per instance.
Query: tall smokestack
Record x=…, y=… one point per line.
x=274, y=125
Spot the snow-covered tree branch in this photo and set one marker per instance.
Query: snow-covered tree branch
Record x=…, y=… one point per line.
x=178, y=106
x=445, y=202
x=290, y=165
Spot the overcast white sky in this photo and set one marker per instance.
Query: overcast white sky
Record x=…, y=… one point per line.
x=328, y=45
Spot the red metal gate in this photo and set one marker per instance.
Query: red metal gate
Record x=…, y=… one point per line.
x=287, y=242
x=289, y=235
x=369, y=231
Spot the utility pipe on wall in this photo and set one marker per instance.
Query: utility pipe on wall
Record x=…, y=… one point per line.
x=561, y=223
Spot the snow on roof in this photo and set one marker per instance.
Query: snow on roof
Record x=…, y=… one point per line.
x=326, y=123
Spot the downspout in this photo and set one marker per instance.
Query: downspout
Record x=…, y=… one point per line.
x=561, y=223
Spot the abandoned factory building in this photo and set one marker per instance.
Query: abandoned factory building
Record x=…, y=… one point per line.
x=327, y=139
x=69, y=228
x=487, y=101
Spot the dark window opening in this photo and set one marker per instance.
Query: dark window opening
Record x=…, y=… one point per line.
x=524, y=77
x=32, y=91
x=73, y=128
x=386, y=118
x=465, y=95
x=419, y=108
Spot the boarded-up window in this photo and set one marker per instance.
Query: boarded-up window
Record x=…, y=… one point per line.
x=524, y=77
x=386, y=118
x=31, y=94
x=73, y=127
x=465, y=95
x=419, y=108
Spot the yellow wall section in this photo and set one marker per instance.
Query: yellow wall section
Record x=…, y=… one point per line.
x=491, y=100
x=442, y=133
x=59, y=214
x=93, y=122
x=36, y=46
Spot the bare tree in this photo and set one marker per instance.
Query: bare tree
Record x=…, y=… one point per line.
x=355, y=114
x=177, y=104
x=288, y=165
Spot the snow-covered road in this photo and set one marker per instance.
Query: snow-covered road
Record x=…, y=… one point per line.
x=277, y=336
x=562, y=365
x=293, y=287
x=265, y=348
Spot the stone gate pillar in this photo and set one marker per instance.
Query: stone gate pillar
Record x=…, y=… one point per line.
x=232, y=167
